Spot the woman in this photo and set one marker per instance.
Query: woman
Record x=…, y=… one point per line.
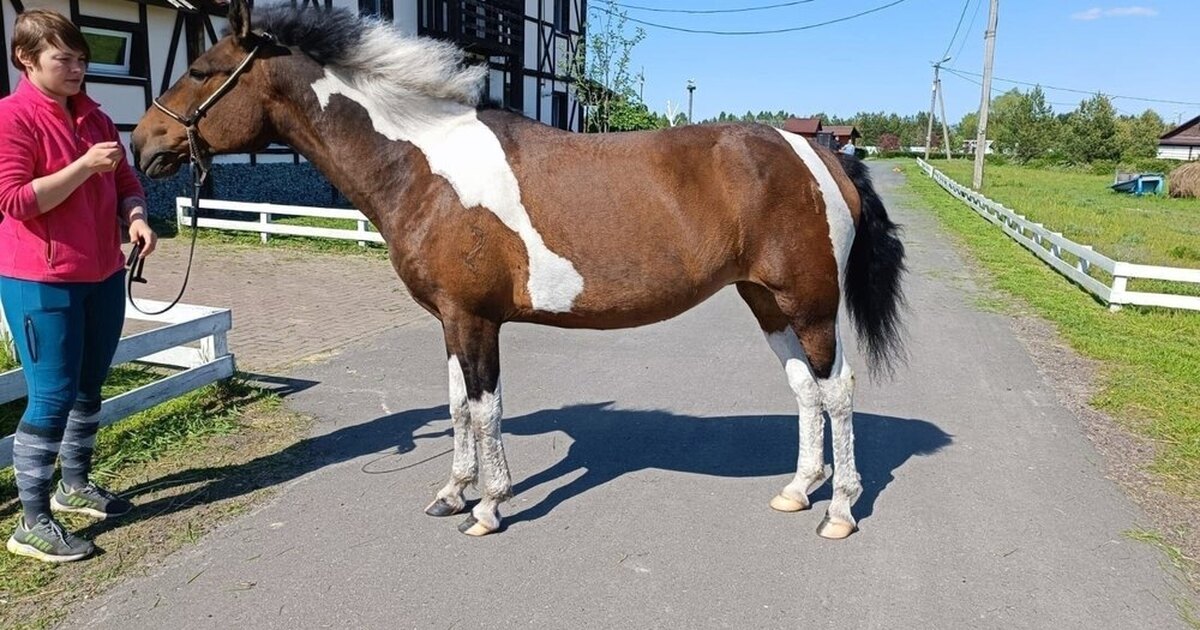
x=65, y=189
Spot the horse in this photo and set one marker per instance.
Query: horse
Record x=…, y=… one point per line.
x=490, y=217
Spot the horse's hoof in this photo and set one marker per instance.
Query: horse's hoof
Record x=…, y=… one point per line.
x=474, y=527
x=441, y=508
x=787, y=504
x=834, y=530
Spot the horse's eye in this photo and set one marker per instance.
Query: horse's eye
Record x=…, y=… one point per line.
x=197, y=75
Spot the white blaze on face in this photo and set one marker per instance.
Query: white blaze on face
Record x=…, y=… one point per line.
x=460, y=148
x=837, y=211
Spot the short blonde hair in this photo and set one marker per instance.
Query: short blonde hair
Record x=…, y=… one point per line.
x=37, y=29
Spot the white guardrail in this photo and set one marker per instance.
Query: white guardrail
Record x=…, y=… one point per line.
x=164, y=346
x=1050, y=247
x=266, y=213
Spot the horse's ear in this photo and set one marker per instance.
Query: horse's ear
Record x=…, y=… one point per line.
x=239, y=19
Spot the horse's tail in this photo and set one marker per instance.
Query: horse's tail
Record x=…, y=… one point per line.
x=873, y=274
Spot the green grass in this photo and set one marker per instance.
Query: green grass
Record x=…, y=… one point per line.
x=1150, y=379
x=1149, y=230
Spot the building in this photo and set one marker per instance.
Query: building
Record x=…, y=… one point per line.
x=843, y=134
x=140, y=47
x=811, y=128
x=1182, y=142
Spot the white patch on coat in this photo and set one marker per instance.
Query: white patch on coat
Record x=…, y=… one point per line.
x=837, y=211
x=460, y=148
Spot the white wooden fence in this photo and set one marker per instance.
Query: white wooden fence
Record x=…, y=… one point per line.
x=1051, y=247
x=266, y=213
x=165, y=346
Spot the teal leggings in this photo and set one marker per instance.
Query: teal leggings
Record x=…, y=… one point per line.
x=65, y=335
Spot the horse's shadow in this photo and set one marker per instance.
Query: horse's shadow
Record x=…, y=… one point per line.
x=607, y=443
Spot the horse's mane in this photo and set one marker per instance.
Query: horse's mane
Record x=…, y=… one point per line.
x=375, y=55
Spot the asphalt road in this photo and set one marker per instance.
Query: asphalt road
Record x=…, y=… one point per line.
x=644, y=461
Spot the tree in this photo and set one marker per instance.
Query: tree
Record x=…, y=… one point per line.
x=1137, y=137
x=889, y=142
x=604, y=84
x=1090, y=132
x=1024, y=124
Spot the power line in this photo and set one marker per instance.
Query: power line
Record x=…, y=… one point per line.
x=996, y=90
x=953, y=37
x=1077, y=91
x=705, y=11
x=963, y=43
x=763, y=32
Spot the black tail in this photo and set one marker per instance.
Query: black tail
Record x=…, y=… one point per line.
x=873, y=274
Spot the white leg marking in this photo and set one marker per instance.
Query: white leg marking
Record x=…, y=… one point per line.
x=460, y=148
x=497, y=483
x=464, y=470
x=837, y=211
x=837, y=392
x=810, y=465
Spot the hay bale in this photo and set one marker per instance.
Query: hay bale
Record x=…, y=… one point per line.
x=1185, y=181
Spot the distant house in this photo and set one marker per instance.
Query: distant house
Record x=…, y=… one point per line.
x=843, y=134
x=1182, y=142
x=811, y=128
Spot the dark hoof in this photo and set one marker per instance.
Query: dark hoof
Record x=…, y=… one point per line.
x=441, y=508
x=473, y=527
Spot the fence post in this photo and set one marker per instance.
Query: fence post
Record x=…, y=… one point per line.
x=362, y=228
x=264, y=218
x=1117, y=297
x=1083, y=265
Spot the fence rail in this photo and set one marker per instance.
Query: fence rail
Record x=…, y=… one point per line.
x=1050, y=246
x=266, y=213
x=164, y=346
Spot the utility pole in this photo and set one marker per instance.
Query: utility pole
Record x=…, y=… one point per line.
x=945, y=127
x=935, y=92
x=989, y=40
x=691, y=87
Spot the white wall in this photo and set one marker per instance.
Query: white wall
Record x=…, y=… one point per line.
x=1179, y=153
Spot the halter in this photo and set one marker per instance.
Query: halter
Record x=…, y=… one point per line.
x=199, y=166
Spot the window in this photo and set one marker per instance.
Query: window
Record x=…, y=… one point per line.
x=558, y=110
x=381, y=8
x=111, y=50
x=562, y=15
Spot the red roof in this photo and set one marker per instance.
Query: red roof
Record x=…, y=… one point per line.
x=803, y=125
x=843, y=131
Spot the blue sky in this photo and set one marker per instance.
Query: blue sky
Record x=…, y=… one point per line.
x=881, y=61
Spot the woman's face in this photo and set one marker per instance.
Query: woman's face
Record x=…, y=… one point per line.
x=58, y=72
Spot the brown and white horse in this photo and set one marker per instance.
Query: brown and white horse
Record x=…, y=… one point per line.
x=490, y=217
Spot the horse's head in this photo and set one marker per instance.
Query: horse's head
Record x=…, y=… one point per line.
x=223, y=94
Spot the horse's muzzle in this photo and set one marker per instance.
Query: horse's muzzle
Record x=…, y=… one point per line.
x=160, y=164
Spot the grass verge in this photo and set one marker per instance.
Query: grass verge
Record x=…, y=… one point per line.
x=187, y=464
x=1148, y=230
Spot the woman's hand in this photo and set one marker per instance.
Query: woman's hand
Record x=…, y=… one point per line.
x=103, y=157
x=140, y=232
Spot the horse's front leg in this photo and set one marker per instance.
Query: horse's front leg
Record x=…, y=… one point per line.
x=475, y=342
x=465, y=469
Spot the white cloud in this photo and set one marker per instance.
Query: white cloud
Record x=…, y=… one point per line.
x=1097, y=13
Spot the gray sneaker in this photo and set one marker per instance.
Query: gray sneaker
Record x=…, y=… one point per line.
x=90, y=499
x=49, y=542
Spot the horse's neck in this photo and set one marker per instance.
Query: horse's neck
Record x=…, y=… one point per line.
x=379, y=166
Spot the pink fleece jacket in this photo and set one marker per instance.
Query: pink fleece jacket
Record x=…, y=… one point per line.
x=80, y=239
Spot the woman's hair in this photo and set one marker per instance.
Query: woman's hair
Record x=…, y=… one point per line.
x=37, y=29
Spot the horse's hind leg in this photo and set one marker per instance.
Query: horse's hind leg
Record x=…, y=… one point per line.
x=475, y=343
x=809, y=349
x=810, y=470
